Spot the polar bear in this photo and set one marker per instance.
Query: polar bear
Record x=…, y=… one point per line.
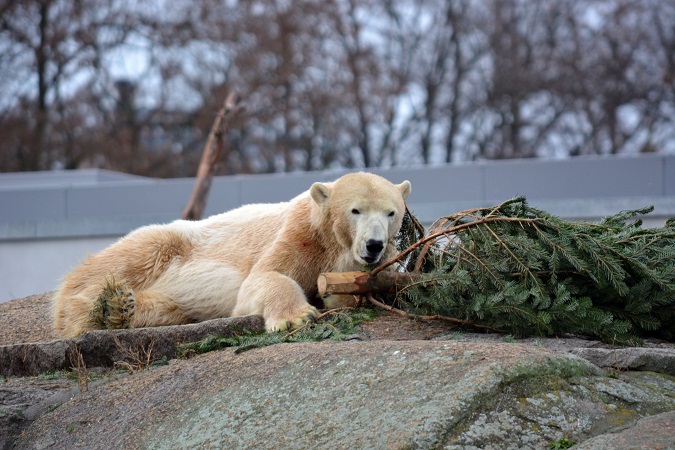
x=258, y=259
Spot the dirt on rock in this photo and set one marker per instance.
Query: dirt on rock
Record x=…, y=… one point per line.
x=27, y=319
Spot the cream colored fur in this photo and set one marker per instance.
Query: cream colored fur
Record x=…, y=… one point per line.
x=257, y=259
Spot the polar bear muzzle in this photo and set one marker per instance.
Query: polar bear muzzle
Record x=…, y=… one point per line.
x=374, y=249
x=372, y=230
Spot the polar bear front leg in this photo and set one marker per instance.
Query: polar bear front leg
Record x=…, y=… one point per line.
x=278, y=298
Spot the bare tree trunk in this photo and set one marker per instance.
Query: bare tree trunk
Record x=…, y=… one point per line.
x=212, y=149
x=41, y=56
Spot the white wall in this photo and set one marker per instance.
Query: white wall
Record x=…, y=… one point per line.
x=33, y=267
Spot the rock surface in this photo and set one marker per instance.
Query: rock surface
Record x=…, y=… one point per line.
x=27, y=319
x=458, y=391
x=647, y=433
x=378, y=394
x=652, y=359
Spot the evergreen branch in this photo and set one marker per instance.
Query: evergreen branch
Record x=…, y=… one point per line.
x=576, y=263
x=523, y=266
x=306, y=325
x=523, y=313
x=439, y=234
x=512, y=268
x=609, y=271
x=496, y=278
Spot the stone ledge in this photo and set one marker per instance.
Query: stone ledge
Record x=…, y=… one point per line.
x=647, y=432
x=105, y=347
x=659, y=360
x=102, y=348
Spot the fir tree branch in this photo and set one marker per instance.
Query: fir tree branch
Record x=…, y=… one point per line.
x=443, y=233
x=316, y=319
x=523, y=266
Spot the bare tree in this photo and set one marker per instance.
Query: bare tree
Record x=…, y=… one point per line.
x=332, y=83
x=48, y=42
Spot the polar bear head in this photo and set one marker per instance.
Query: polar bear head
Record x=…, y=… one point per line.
x=364, y=211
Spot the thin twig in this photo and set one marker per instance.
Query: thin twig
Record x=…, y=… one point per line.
x=80, y=369
x=453, y=320
x=438, y=224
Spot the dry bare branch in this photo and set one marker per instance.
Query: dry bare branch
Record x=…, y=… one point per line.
x=79, y=368
x=135, y=359
x=213, y=149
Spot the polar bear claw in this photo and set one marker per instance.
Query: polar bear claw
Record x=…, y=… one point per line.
x=282, y=324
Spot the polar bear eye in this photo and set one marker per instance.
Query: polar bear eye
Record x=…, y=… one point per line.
x=356, y=211
x=391, y=214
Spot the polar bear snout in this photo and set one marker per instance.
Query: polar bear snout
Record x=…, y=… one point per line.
x=374, y=247
x=373, y=251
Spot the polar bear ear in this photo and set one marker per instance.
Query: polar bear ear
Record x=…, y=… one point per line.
x=405, y=189
x=319, y=192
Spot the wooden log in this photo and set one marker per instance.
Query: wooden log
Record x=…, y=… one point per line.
x=213, y=149
x=360, y=283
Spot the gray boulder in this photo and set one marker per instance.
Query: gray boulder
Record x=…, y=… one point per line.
x=646, y=433
x=378, y=394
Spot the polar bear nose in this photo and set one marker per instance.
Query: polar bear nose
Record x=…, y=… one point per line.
x=374, y=247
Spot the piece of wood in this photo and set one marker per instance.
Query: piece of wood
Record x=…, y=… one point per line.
x=360, y=283
x=213, y=148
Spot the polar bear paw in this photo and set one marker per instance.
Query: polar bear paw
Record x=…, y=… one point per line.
x=114, y=306
x=308, y=314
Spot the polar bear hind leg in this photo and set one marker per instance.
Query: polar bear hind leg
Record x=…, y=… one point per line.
x=117, y=306
x=114, y=288
x=278, y=298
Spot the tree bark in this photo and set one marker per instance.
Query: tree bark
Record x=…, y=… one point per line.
x=213, y=148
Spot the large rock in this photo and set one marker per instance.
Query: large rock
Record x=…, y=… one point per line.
x=379, y=394
x=35, y=358
x=551, y=407
x=647, y=433
x=27, y=319
x=481, y=392
x=21, y=402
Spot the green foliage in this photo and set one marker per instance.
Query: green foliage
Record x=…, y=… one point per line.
x=526, y=272
x=562, y=444
x=164, y=361
x=336, y=326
